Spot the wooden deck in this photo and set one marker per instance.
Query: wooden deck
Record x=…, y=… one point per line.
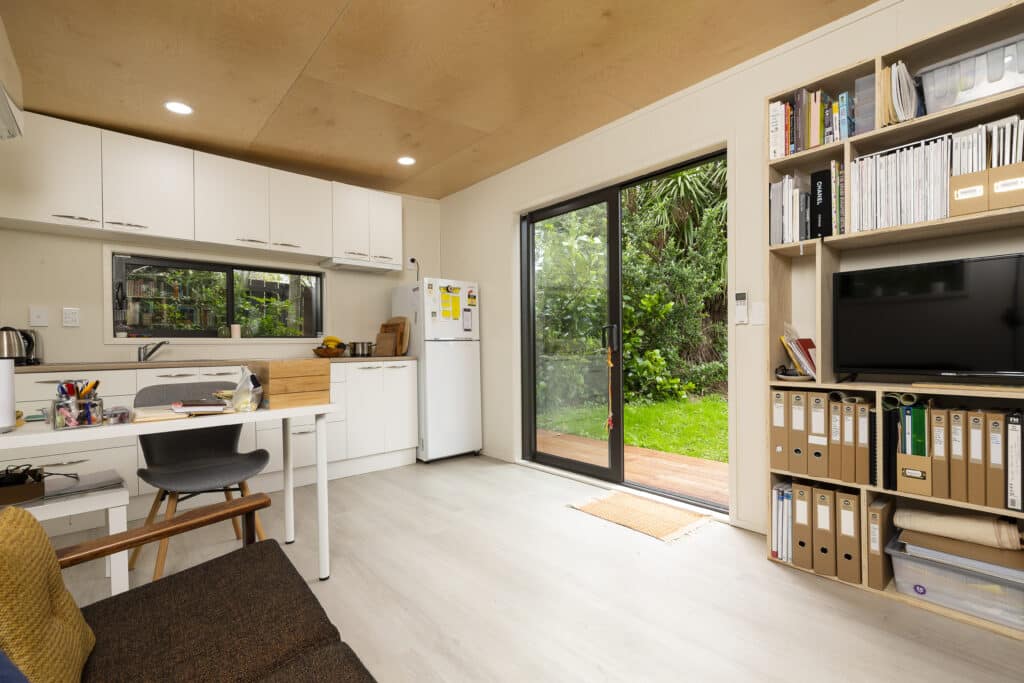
x=680, y=474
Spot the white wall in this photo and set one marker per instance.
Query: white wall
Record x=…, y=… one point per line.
x=480, y=240
x=56, y=271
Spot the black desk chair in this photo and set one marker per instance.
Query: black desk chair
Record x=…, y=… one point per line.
x=181, y=465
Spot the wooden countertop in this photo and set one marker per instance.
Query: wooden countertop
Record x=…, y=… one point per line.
x=86, y=366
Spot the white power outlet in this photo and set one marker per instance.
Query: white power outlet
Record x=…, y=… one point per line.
x=71, y=317
x=38, y=316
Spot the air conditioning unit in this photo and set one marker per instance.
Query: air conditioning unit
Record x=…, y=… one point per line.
x=12, y=119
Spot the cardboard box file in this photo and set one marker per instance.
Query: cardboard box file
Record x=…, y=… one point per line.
x=968, y=193
x=817, y=436
x=798, y=432
x=824, y=532
x=803, y=550
x=938, y=421
x=849, y=459
x=835, y=440
x=291, y=383
x=862, y=449
x=779, y=459
x=976, y=458
x=1006, y=186
x=848, y=537
x=914, y=474
x=879, y=532
x=995, y=460
x=958, y=455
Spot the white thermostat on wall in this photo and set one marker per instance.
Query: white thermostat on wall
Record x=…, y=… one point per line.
x=741, y=308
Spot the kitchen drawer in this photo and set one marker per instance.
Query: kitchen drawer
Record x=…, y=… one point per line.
x=338, y=372
x=338, y=399
x=303, y=445
x=43, y=385
x=121, y=459
x=155, y=376
x=224, y=373
x=246, y=443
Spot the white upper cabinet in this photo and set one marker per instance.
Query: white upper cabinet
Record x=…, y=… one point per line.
x=386, y=229
x=231, y=201
x=148, y=187
x=300, y=214
x=52, y=174
x=351, y=222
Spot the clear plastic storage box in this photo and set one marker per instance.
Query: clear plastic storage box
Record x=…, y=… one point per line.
x=992, y=69
x=996, y=598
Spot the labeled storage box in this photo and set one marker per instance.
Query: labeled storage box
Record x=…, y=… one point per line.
x=988, y=596
x=914, y=474
x=1006, y=186
x=291, y=383
x=968, y=193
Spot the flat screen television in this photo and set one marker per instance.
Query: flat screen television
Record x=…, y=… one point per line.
x=962, y=318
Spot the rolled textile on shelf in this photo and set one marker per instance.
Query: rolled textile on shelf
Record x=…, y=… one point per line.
x=973, y=528
x=892, y=400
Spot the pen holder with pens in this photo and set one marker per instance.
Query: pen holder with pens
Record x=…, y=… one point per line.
x=73, y=413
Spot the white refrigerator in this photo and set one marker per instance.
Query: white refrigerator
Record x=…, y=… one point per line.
x=445, y=338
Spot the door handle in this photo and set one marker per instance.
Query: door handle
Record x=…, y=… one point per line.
x=65, y=464
x=219, y=374
x=178, y=374
x=610, y=341
x=287, y=244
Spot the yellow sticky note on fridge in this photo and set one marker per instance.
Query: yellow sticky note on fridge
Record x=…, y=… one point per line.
x=446, y=304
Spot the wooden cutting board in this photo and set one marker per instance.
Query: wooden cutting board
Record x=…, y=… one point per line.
x=387, y=343
x=402, y=332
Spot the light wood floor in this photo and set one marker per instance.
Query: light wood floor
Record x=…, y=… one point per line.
x=475, y=570
x=681, y=474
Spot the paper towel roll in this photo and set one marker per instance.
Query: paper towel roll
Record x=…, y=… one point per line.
x=7, y=419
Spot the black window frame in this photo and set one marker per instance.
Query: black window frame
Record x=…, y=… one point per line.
x=119, y=261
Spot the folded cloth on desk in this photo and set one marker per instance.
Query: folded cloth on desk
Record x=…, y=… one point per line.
x=982, y=529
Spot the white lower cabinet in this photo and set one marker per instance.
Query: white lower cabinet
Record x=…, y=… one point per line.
x=303, y=445
x=120, y=459
x=381, y=407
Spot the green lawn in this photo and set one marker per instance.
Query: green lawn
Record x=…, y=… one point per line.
x=698, y=427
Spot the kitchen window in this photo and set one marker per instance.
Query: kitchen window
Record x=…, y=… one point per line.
x=160, y=297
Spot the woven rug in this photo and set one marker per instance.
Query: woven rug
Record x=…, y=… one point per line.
x=664, y=522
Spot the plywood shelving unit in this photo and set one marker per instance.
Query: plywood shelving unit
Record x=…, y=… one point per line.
x=791, y=268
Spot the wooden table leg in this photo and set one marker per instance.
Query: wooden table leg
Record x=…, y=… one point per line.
x=161, y=554
x=234, y=520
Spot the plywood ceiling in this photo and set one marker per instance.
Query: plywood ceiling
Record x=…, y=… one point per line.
x=341, y=88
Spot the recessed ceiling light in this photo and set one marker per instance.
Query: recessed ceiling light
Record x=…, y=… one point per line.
x=178, y=107
x=406, y=161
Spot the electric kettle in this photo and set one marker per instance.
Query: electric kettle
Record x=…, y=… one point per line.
x=12, y=345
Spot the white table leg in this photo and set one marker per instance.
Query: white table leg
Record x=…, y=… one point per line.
x=322, y=527
x=289, y=480
x=117, y=522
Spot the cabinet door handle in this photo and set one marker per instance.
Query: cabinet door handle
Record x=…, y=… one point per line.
x=304, y=431
x=250, y=239
x=371, y=367
x=178, y=374
x=356, y=253
x=287, y=244
x=88, y=220
x=65, y=464
x=219, y=374
x=384, y=258
x=75, y=218
x=48, y=381
x=140, y=226
x=394, y=367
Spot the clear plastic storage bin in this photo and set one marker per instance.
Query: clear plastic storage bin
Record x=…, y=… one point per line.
x=992, y=69
x=996, y=598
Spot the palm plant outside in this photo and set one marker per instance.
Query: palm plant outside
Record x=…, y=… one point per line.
x=674, y=276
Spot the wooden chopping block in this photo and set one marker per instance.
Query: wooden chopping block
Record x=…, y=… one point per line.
x=403, y=333
x=387, y=343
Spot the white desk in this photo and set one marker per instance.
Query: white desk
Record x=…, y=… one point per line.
x=114, y=501
x=40, y=434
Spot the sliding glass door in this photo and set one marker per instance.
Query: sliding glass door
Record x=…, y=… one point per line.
x=571, y=325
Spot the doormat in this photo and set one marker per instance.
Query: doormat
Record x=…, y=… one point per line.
x=664, y=522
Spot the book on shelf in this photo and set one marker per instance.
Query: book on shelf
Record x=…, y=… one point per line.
x=902, y=95
x=900, y=186
x=806, y=207
x=810, y=119
x=801, y=351
x=782, y=521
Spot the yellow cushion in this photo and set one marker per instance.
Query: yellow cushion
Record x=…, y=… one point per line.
x=41, y=628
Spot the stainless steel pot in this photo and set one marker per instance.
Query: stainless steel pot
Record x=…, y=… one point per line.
x=12, y=345
x=360, y=349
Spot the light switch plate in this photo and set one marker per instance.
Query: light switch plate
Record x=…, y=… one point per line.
x=38, y=316
x=71, y=317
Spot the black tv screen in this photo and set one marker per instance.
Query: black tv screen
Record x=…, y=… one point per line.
x=963, y=317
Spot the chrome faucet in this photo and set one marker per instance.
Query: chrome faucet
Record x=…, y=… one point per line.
x=146, y=351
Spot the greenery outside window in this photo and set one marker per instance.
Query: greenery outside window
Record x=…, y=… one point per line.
x=160, y=297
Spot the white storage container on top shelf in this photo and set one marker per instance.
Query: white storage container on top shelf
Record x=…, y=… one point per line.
x=973, y=75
